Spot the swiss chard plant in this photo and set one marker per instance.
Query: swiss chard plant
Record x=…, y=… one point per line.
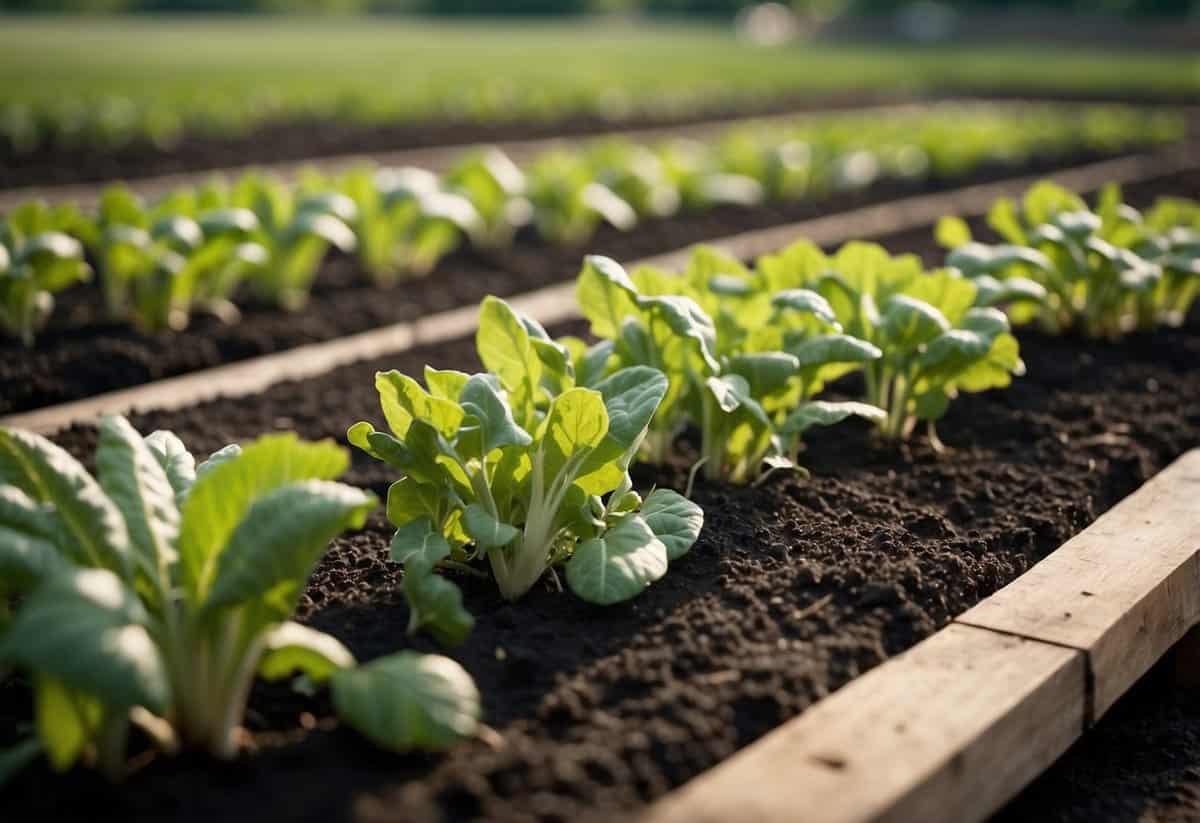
x=496, y=187
x=743, y=365
x=38, y=259
x=524, y=470
x=154, y=592
x=1103, y=272
x=935, y=340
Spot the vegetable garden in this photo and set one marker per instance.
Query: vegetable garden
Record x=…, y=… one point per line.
x=627, y=525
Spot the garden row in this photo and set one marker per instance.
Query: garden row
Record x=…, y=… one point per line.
x=165, y=587
x=196, y=247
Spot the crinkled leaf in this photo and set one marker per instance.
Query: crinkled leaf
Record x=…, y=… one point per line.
x=176, y=461
x=133, y=478
x=93, y=532
x=87, y=629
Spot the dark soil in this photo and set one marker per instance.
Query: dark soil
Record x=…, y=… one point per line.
x=83, y=353
x=1141, y=764
x=302, y=139
x=793, y=589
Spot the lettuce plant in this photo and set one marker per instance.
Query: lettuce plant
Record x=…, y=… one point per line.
x=746, y=379
x=569, y=203
x=496, y=187
x=525, y=470
x=37, y=260
x=934, y=340
x=296, y=231
x=154, y=592
x=406, y=222
x=1103, y=272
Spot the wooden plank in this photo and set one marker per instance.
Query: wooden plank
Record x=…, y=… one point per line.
x=1123, y=591
x=948, y=731
x=556, y=303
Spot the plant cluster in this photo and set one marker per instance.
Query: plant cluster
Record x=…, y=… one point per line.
x=747, y=351
x=1103, y=272
x=154, y=592
x=524, y=467
x=201, y=248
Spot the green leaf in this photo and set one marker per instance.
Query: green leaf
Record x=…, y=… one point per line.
x=577, y=422
x=619, y=565
x=485, y=530
x=134, y=479
x=28, y=549
x=279, y=540
x=505, y=349
x=435, y=605
x=996, y=369
x=952, y=232
x=66, y=721
x=684, y=317
x=446, y=384
x=409, y=500
x=404, y=401
x=224, y=492
x=175, y=460
x=765, y=372
x=419, y=545
x=93, y=532
x=806, y=301
x=291, y=647
x=483, y=400
x=909, y=322
x=221, y=455
x=88, y=629
x=605, y=295
x=631, y=396
x=675, y=520
x=408, y=701
x=824, y=413
x=949, y=354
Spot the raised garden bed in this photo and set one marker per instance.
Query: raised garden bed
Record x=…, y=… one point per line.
x=795, y=588
x=82, y=353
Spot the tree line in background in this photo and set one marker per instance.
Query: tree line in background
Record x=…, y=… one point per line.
x=712, y=8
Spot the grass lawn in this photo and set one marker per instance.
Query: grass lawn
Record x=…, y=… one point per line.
x=229, y=71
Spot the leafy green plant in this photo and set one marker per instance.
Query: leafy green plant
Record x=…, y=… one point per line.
x=569, y=203
x=296, y=231
x=37, y=260
x=525, y=469
x=934, y=340
x=1104, y=272
x=496, y=187
x=745, y=379
x=155, y=591
x=406, y=222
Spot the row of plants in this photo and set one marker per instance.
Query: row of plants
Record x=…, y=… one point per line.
x=152, y=593
x=206, y=248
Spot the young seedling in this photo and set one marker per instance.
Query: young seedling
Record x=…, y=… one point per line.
x=38, y=259
x=745, y=380
x=524, y=469
x=153, y=593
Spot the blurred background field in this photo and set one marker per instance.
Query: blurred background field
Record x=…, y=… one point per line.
x=103, y=80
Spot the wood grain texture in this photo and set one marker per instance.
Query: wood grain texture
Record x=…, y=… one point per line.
x=947, y=731
x=1123, y=591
